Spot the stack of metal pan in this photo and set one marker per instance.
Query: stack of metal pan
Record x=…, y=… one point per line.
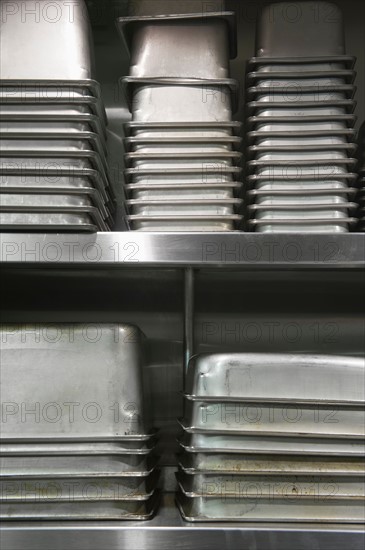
x=361, y=180
x=75, y=441
x=300, y=122
x=273, y=438
x=53, y=168
x=183, y=163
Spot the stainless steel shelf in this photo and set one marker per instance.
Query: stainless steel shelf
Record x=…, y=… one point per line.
x=167, y=530
x=176, y=250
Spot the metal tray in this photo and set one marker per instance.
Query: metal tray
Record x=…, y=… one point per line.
x=128, y=27
x=179, y=207
x=35, y=88
x=316, y=379
x=53, y=466
x=298, y=154
x=298, y=178
x=302, y=167
x=347, y=60
x=292, y=107
x=76, y=178
x=22, y=213
x=54, y=122
x=110, y=510
x=56, y=49
x=184, y=223
x=218, y=174
x=290, y=111
x=310, y=78
x=181, y=144
x=185, y=192
x=312, y=202
x=258, y=465
x=47, y=222
x=300, y=195
x=42, y=110
x=307, y=32
x=303, y=188
x=304, y=142
x=207, y=442
x=183, y=129
x=197, y=47
x=180, y=99
x=328, y=127
x=300, y=90
x=289, y=123
x=322, y=225
x=286, y=419
x=316, y=210
x=314, y=511
x=78, y=489
x=301, y=66
x=273, y=487
x=114, y=356
x=221, y=158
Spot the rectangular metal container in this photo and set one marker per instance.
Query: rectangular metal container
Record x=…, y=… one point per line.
x=39, y=223
x=105, y=361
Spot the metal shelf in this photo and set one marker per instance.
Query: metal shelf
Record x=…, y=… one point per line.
x=176, y=250
x=167, y=530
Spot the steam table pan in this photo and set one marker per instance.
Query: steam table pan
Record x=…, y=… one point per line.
x=301, y=89
x=309, y=195
x=59, y=110
x=49, y=221
x=29, y=123
x=296, y=122
x=182, y=129
x=307, y=77
x=303, y=378
x=347, y=61
x=75, y=489
x=180, y=99
x=199, y=509
x=113, y=355
x=286, y=139
x=180, y=206
x=335, y=106
x=197, y=47
x=327, y=155
x=207, y=442
x=321, y=127
x=290, y=176
x=208, y=172
x=278, y=465
x=271, y=487
x=181, y=144
x=53, y=466
x=185, y=159
x=300, y=30
x=269, y=418
x=325, y=202
x=293, y=225
x=109, y=510
x=52, y=48
x=184, y=223
x=135, y=33
x=44, y=88
x=175, y=192
x=291, y=112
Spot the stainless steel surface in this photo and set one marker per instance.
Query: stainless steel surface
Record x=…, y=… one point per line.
x=115, y=352
x=206, y=441
x=213, y=509
x=283, y=378
x=123, y=447
x=45, y=222
x=346, y=60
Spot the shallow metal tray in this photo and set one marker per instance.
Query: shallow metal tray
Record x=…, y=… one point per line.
x=311, y=195
x=288, y=123
x=334, y=106
x=109, y=510
x=323, y=225
x=181, y=206
x=328, y=154
x=60, y=48
x=299, y=113
x=180, y=99
x=301, y=66
x=53, y=466
x=181, y=129
x=286, y=419
x=35, y=88
x=184, y=223
x=280, y=465
x=308, y=200
x=207, y=442
x=182, y=144
x=189, y=158
x=306, y=32
x=114, y=355
x=30, y=215
x=218, y=174
x=189, y=47
x=182, y=191
x=47, y=222
x=75, y=489
x=37, y=110
x=286, y=140
x=304, y=128
x=347, y=60
x=301, y=166
x=300, y=89
x=310, y=77
x=292, y=487
x=129, y=26
x=52, y=122
x=265, y=137
x=295, y=378
x=293, y=177
x=331, y=209
x=314, y=511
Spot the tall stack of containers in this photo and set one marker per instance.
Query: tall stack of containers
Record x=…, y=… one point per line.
x=53, y=155
x=300, y=121
x=183, y=160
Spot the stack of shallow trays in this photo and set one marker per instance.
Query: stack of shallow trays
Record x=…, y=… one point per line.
x=300, y=120
x=53, y=167
x=361, y=180
x=75, y=442
x=183, y=163
x=273, y=438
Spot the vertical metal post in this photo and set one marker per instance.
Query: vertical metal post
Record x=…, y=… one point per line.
x=188, y=317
